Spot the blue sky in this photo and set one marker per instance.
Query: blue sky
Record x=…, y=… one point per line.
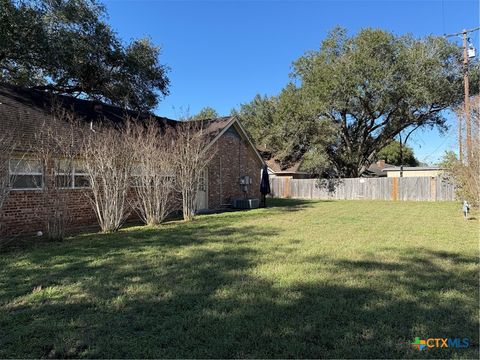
x=222, y=53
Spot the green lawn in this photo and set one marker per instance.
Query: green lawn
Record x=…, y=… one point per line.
x=299, y=279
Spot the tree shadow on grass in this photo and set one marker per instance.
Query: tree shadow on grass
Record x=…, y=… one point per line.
x=121, y=249
x=291, y=205
x=169, y=296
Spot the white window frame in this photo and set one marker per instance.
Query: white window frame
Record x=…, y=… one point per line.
x=12, y=173
x=72, y=175
x=135, y=173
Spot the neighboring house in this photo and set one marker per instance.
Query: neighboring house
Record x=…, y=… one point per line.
x=275, y=168
x=424, y=171
x=377, y=169
x=382, y=169
x=292, y=172
x=22, y=113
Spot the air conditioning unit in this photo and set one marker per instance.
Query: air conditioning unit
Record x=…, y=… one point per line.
x=246, y=203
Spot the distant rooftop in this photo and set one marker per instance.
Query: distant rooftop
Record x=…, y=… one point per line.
x=414, y=168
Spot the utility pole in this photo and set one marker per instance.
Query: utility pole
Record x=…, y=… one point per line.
x=460, y=130
x=468, y=123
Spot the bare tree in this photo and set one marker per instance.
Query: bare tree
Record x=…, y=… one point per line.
x=153, y=177
x=108, y=165
x=7, y=147
x=190, y=159
x=57, y=146
x=466, y=173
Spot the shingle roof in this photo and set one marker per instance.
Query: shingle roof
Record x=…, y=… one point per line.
x=23, y=111
x=375, y=170
x=36, y=100
x=213, y=127
x=276, y=167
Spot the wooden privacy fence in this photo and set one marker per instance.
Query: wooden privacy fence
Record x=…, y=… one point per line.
x=405, y=188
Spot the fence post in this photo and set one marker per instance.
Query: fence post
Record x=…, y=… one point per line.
x=287, y=187
x=433, y=188
x=395, y=189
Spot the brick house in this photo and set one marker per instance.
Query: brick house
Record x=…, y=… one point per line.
x=22, y=113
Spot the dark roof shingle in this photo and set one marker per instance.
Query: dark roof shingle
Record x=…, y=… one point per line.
x=23, y=111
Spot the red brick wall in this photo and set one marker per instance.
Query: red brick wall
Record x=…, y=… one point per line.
x=24, y=211
x=234, y=158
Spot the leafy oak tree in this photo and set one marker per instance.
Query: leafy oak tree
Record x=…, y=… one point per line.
x=67, y=47
x=391, y=154
x=280, y=124
x=375, y=85
x=258, y=118
x=206, y=113
x=295, y=127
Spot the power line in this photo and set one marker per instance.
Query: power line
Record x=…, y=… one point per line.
x=448, y=137
x=463, y=32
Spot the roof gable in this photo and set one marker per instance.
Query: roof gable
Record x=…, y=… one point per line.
x=232, y=121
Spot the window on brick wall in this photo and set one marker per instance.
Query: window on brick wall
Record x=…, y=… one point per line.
x=136, y=175
x=26, y=174
x=71, y=174
x=202, y=183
